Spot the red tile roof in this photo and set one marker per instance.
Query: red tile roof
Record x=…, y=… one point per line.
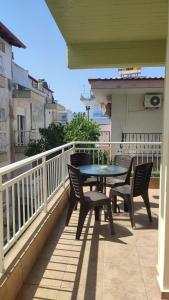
x=9, y=37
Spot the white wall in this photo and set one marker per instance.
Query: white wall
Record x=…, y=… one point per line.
x=20, y=76
x=33, y=110
x=129, y=115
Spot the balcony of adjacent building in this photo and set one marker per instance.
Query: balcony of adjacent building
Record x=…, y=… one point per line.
x=24, y=137
x=40, y=257
x=26, y=93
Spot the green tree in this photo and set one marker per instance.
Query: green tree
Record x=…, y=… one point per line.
x=51, y=137
x=81, y=129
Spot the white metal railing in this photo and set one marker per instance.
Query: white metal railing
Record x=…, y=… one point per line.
x=141, y=137
x=27, y=186
x=104, y=152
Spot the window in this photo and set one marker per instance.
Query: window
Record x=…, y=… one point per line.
x=2, y=46
x=1, y=65
x=2, y=115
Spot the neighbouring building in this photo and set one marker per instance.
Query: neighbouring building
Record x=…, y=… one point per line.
x=134, y=106
x=34, y=108
x=94, y=111
x=29, y=107
x=7, y=40
x=57, y=114
x=26, y=103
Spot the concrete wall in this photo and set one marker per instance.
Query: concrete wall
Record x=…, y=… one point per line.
x=129, y=115
x=5, y=96
x=5, y=60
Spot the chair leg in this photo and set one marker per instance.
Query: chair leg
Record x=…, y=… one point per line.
x=147, y=204
x=75, y=208
x=114, y=201
x=130, y=203
x=82, y=215
x=90, y=188
x=72, y=205
x=126, y=209
x=109, y=212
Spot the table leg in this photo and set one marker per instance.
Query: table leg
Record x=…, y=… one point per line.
x=104, y=185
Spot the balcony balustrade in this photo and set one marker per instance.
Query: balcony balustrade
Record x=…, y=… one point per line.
x=141, y=137
x=24, y=137
x=28, y=186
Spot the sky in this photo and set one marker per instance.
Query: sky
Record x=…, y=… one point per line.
x=46, y=53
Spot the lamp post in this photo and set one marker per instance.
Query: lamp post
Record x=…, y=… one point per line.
x=88, y=102
x=88, y=109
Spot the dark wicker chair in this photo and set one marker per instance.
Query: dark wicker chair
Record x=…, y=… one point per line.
x=79, y=159
x=88, y=201
x=125, y=161
x=139, y=187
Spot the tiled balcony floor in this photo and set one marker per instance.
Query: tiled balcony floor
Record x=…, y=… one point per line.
x=99, y=266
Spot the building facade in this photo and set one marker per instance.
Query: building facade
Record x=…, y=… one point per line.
x=26, y=103
x=7, y=40
x=127, y=101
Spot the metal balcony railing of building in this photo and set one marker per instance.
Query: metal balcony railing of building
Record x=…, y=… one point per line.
x=23, y=137
x=141, y=137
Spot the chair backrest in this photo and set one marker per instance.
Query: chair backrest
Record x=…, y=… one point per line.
x=80, y=158
x=141, y=179
x=125, y=161
x=75, y=182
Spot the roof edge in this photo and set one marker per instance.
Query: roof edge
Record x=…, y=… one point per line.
x=121, y=79
x=9, y=37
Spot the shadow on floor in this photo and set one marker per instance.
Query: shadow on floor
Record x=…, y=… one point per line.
x=59, y=270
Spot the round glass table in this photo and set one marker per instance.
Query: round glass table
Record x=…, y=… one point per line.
x=102, y=170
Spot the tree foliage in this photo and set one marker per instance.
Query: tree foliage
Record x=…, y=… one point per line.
x=81, y=129
x=51, y=137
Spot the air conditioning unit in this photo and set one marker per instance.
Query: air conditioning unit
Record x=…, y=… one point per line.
x=152, y=101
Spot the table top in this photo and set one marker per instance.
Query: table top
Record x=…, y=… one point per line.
x=103, y=170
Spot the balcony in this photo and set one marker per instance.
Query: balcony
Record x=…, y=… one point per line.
x=28, y=94
x=39, y=256
x=24, y=137
x=98, y=266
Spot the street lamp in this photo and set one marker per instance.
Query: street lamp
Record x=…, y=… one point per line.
x=88, y=102
x=88, y=109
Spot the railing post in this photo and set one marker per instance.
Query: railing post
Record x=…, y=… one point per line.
x=74, y=147
x=44, y=183
x=63, y=167
x=1, y=230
